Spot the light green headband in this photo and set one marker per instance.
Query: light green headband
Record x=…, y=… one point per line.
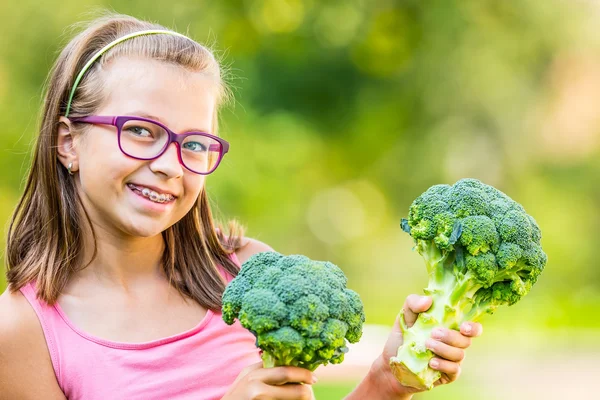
x=105, y=48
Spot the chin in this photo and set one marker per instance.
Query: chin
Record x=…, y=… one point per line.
x=144, y=228
x=145, y=233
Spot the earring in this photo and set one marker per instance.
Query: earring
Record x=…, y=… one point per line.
x=69, y=168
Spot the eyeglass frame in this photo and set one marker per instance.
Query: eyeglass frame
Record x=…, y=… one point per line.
x=178, y=138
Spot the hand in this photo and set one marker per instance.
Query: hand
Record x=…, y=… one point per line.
x=281, y=383
x=449, y=348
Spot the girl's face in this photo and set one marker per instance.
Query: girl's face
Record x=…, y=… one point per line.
x=183, y=101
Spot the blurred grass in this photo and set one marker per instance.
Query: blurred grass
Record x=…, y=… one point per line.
x=332, y=391
x=337, y=391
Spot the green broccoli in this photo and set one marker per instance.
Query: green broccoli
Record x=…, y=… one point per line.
x=481, y=250
x=300, y=310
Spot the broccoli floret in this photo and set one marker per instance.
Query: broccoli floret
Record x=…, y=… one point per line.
x=300, y=310
x=479, y=234
x=481, y=249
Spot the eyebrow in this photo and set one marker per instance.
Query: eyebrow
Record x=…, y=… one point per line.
x=155, y=118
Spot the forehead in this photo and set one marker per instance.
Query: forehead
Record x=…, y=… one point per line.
x=181, y=98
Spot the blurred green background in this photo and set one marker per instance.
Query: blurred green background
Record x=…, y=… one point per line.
x=345, y=111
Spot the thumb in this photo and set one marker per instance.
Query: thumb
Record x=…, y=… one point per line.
x=249, y=369
x=241, y=376
x=394, y=341
x=414, y=305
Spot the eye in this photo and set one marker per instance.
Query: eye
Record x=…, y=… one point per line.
x=194, y=146
x=139, y=131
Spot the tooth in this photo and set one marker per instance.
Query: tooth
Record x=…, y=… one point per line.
x=163, y=198
x=153, y=196
x=146, y=192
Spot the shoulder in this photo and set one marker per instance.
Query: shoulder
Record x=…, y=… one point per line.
x=17, y=316
x=24, y=357
x=249, y=247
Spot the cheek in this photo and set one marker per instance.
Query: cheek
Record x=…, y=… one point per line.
x=192, y=187
x=102, y=165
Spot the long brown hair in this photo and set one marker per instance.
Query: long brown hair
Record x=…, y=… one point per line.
x=44, y=239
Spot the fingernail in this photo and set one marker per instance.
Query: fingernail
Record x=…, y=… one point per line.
x=314, y=379
x=437, y=334
x=434, y=363
x=430, y=344
x=468, y=328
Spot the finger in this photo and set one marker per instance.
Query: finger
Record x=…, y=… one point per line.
x=394, y=340
x=472, y=329
x=445, y=351
x=290, y=391
x=451, y=369
x=414, y=305
x=251, y=368
x=283, y=375
x=451, y=337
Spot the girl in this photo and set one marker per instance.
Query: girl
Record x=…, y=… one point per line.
x=115, y=265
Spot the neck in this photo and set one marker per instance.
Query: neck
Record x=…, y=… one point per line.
x=122, y=261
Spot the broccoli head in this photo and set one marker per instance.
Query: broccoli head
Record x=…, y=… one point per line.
x=300, y=310
x=481, y=250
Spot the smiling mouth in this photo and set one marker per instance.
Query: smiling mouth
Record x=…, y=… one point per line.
x=151, y=195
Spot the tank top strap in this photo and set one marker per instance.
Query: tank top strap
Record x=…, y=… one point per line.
x=49, y=319
x=228, y=277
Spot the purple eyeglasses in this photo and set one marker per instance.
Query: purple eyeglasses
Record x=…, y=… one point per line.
x=145, y=139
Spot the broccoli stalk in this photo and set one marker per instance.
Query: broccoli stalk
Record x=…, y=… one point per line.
x=300, y=310
x=481, y=251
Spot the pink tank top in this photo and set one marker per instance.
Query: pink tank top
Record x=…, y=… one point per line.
x=201, y=363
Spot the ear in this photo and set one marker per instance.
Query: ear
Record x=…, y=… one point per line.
x=67, y=144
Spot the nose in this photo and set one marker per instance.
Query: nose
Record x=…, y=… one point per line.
x=168, y=163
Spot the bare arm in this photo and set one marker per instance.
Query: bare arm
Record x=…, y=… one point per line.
x=250, y=247
x=26, y=370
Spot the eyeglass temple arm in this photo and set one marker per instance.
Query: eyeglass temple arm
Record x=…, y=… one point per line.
x=96, y=120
